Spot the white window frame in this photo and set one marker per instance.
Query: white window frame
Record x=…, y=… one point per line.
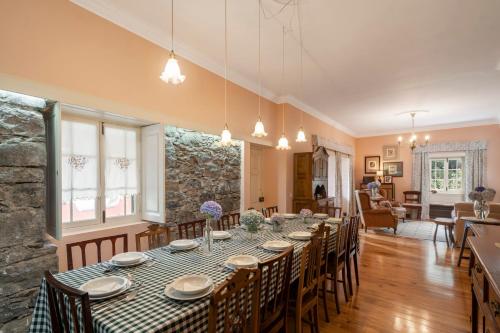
x=101, y=199
x=446, y=157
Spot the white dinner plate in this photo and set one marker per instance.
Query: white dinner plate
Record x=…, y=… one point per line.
x=170, y=292
x=300, y=235
x=127, y=258
x=276, y=245
x=290, y=216
x=183, y=244
x=103, y=286
x=320, y=216
x=119, y=292
x=143, y=259
x=220, y=234
x=267, y=220
x=192, y=284
x=241, y=261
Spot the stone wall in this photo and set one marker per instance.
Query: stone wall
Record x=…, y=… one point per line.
x=24, y=254
x=198, y=169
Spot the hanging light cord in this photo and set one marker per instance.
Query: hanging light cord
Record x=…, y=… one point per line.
x=283, y=76
x=225, y=62
x=301, y=76
x=172, y=22
x=260, y=77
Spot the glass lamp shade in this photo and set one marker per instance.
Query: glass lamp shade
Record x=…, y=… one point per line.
x=259, y=130
x=172, y=72
x=225, y=139
x=283, y=143
x=301, y=136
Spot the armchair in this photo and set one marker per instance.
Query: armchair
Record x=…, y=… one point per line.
x=374, y=217
x=467, y=209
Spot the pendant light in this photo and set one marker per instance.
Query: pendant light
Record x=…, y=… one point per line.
x=225, y=135
x=259, y=130
x=172, y=72
x=283, y=141
x=301, y=135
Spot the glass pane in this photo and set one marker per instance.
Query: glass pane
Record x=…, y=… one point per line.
x=439, y=174
x=440, y=184
x=115, y=207
x=439, y=164
x=84, y=209
x=452, y=164
x=452, y=174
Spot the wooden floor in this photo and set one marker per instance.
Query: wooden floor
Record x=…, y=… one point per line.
x=406, y=285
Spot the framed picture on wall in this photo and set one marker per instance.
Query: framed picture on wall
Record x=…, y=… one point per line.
x=372, y=164
x=394, y=169
x=390, y=152
x=387, y=179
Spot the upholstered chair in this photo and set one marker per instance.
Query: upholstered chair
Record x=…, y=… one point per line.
x=374, y=217
x=467, y=209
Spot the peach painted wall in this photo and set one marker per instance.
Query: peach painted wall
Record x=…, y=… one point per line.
x=57, y=50
x=373, y=146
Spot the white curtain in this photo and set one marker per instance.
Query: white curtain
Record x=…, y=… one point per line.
x=121, y=162
x=332, y=174
x=79, y=148
x=338, y=179
x=475, y=169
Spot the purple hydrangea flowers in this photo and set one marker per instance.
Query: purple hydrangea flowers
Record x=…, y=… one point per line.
x=211, y=209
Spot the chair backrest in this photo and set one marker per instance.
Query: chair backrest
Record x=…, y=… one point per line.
x=98, y=242
x=228, y=221
x=326, y=248
x=234, y=304
x=353, y=233
x=274, y=291
x=192, y=229
x=342, y=243
x=310, y=266
x=235, y=217
x=412, y=196
x=60, y=297
x=334, y=211
x=269, y=211
x=158, y=236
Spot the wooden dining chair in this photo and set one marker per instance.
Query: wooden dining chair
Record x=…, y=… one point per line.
x=305, y=301
x=324, y=269
x=158, y=236
x=269, y=211
x=192, y=229
x=334, y=211
x=235, y=217
x=98, y=243
x=274, y=291
x=60, y=297
x=413, y=201
x=353, y=250
x=337, y=261
x=234, y=304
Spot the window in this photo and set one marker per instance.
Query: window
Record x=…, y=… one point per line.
x=99, y=172
x=447, y=175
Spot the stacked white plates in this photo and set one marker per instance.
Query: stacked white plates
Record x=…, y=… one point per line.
x=105, y=287
x=128, y=259
x=300, y=235
x=241, y=261
x=267, y=220
x=183, y=244
x=289, y=216
x=320, y=216
x=276, y=245
x=220, y=234
x=334, y=220
x=189, y=287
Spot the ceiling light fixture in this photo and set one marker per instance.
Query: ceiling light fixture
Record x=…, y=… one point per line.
x=172, y=72
x=259, y=130
x=283, y=141
x=226, y=134
x=413, y=137
x=301, y=135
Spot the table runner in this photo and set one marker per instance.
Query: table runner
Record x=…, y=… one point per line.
x=151, y=311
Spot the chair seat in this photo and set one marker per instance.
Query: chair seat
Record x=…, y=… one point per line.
x=412, y=205
x=444, y=221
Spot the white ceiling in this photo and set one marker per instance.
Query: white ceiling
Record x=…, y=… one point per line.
x=365, y=62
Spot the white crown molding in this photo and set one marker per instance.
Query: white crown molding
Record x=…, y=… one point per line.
x=161, y=39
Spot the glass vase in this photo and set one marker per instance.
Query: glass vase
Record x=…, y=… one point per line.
x=374, y=192
x=208, y=241
x=481, y=209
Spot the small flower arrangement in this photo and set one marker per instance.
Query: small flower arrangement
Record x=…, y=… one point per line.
x=277, y=221
x=373, y=185
x=211, y=209
x=252, y=219
x=304, y=212
x=482, y=193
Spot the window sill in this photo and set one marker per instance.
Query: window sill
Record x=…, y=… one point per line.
x=101, y=227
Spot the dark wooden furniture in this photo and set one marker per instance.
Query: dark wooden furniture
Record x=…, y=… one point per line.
x=192, y=229
x=60, y=297
x=235, y=217
x=324, y=231
x=412, y=201
x=389, y=189
x=448, y=225
x=328, y=207
x=98, y=242
x=305, y=301
x=269, y=211
x=485, y=281
x=241, y=289
x=353, y=249
x=470, y=220
x=440, y=210
x=378, y=217
x=225, y=222
x=274, y=291
x=337, y=262
x=157, y=235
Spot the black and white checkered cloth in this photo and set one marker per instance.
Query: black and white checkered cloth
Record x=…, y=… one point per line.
x=151, y=311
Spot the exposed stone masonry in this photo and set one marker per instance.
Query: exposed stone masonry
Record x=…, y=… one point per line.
x=198, y=169
x=24, y=254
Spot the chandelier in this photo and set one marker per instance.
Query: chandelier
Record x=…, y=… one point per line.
x=283, y=141
x=172, y=72
x=301, y=135
x=413, y=137
x=225, y=135
x=77, y=162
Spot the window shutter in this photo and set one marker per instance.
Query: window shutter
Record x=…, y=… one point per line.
x=153, y=173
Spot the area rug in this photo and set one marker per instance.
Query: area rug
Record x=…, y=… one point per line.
x=416, y=229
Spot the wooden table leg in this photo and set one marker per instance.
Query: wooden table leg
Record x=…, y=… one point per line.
x=435, y=233
x=466, y=231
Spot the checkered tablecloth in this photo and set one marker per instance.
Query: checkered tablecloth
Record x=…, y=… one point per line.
x=151, y=311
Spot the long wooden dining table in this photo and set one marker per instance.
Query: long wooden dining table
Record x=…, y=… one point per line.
x=151, y=310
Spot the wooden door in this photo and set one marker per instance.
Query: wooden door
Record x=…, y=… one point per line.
x=302, y=176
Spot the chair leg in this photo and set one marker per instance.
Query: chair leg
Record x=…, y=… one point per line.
x=349, y=274
x=298, y=320
x=356, y=273
x=344, y=284
x=311, y=320
x=316, y=319
x=452, y=239
x=435, y=233
x=325, y=307
x=336, y=292
x=466, y=231
x=446, y=235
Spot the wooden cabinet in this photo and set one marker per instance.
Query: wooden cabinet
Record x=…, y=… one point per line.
x=302, y=176
x=388, y=187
